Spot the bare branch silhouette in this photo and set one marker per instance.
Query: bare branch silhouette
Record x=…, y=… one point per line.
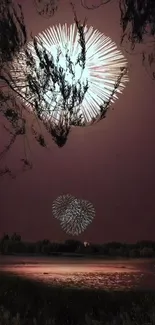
x=13, y=37
x=137, y=21
x=102, y=2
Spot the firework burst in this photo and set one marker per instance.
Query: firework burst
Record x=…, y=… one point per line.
x=61, y=204
x=78, y=215
x=94, y=80
x=74, y=214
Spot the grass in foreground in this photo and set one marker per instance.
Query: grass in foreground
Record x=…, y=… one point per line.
x=24, y=302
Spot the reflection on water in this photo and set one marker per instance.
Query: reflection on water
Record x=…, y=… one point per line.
x=115, y=275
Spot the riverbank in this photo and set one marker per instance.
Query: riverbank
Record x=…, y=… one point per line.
x=74, y=255
x=72, y=306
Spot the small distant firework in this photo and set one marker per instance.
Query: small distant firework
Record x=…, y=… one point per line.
x=60, y=205
x=74, y=214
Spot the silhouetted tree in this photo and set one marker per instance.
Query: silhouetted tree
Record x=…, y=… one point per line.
x=16, y=237
x=138, y=26
x=147, y=252
x=13, y=33
x=4, y=243
x=137, y=21
x=94, y=6
x=46, y=8
x=72, y=245
x=145, y=243
x=13, y=244
x=43, y=77
x=13, y=37
x=38, y=77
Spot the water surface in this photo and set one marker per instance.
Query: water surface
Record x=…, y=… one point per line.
x=88, y=273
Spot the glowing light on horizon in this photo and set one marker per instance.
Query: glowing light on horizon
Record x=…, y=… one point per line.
x=102, y=69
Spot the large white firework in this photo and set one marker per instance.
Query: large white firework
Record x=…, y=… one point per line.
x=103, y=65
x=78, y=215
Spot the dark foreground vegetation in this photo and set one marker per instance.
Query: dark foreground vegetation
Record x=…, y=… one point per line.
x=13, y=244
x=25, y=302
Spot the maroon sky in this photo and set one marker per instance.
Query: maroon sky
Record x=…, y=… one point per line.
x=111, y=164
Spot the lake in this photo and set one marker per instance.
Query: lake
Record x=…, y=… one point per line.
x=120, y=274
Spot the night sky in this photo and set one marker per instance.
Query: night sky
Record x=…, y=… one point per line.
x=111, y=164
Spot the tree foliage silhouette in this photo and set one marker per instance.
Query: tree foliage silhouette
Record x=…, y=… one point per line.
x=12, y=111
x=13, y=36
x=14, y=106
x=13, y=33
x=138, y=27
x=137, y=20
x=46, y=8
x=13, y=243
x=41, y=75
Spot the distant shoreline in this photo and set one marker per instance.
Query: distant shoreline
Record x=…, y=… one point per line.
x=105, y=257
x=78, y=256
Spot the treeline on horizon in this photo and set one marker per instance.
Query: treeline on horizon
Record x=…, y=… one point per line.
x=14, y=244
